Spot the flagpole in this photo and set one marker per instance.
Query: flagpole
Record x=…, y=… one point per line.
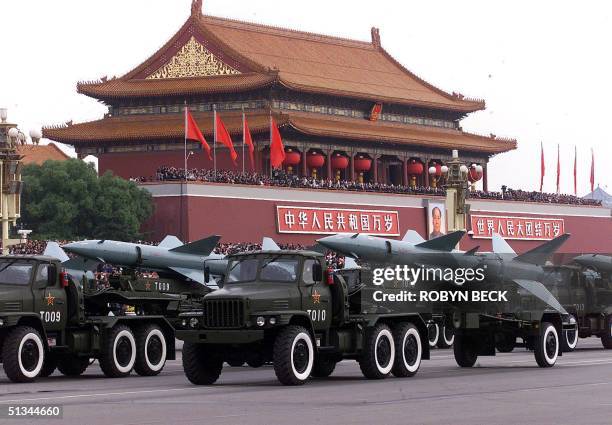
x=215, y=139
x=185, y=140
x=243, y=139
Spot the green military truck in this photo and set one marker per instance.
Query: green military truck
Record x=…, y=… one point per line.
x=587, y=295
x=48, y=320
x=287, y=308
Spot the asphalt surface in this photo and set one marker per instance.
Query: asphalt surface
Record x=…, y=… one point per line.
x=506, y=389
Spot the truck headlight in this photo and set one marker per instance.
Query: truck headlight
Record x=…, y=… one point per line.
x=193, y=322
x=260, y=321
x=1, y=322
x=272, y=321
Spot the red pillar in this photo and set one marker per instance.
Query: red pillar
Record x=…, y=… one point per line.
x=375, y=172
x=427, y=180
x=352, y=160
x=328, y=163
x=304, y=166
x=485, y=179
x=405, y=181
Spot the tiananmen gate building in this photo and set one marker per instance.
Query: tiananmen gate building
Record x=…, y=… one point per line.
x=346, y=110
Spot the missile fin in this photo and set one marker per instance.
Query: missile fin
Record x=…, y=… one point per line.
x=541, y=253
x=80, y=263
x=350, y=263
x=54, y=250
x=443, y=243
x=500, y=246
x=268, y=244
x=413, y=237
x=472, y=251
x=539, y=291
x=202, y=247
x=170, y=242
x=195, y=275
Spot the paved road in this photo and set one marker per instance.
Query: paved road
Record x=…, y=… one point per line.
x=507, y=389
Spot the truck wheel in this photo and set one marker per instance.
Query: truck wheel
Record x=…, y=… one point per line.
x=546, y=347
x=433, y=333
x=293, y=355
x=464, y=351
x=201, y=368
x=71, y=365
x=23, y=354
x=378, y=355
x=118, y=352
x=323, y=367
x=151, y=350
x=409, y=351
x=606, y=338
x=505, y=343
x=569, y=340
x=48, y=367
x=447, y=337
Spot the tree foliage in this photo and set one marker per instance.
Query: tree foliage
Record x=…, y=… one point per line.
x=67, y=200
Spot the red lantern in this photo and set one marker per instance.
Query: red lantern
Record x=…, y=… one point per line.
x=339, y=162
x=362, y=164
x=315, y=160
x=475, y=173
x=292, y=158
x=438, y=167
x=415, y=168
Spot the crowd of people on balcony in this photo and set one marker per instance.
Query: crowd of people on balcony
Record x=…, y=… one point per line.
x=282, y=179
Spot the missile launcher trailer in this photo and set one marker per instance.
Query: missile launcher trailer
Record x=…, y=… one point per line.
x=286, y=308
x=48, y=320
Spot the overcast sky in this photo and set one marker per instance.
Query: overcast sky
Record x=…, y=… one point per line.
x=544, y=68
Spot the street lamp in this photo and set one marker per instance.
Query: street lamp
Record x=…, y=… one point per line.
x=35, y=135
x=456, y=193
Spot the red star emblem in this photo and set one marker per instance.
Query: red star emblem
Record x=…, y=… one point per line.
x=316, y=297
x=50, y=299
x=148, y=286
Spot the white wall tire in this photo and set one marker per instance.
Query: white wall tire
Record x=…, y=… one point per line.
x=547, y=345
x=378, y=356
x=293, y=355
x=570, y=339
x=152, y=350
x=447, y=337
x=409, y=350
x=118, y=352
x=23, y=354
x=433, y=334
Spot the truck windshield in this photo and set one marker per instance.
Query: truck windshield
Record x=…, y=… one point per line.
x=242, y=270
x=15, y=273
x=279, y=270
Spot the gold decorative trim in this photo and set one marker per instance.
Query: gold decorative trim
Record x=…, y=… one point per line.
x=193, y=60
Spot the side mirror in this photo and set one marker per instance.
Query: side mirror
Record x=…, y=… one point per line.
x=51, y=275
x=317, y=272
x=206, y=273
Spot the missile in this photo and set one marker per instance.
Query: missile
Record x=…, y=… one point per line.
x=170, y=256
x=598, y=262
x=526, y=270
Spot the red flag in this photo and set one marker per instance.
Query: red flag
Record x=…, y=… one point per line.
x=192, y=132
x=558, y=168
x=542, y=167
x=277, y=150
x=247, y=139
x=575, y=170
x=223, y=136
x=592, y=170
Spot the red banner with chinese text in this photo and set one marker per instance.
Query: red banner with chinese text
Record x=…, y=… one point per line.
x=336, y=220
x=525, y=228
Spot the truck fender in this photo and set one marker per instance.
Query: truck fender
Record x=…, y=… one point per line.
x=557, y=321
x=28, y=319
x=302, y=318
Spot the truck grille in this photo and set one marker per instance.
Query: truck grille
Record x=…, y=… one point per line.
x=11, y=306
x=223, y=313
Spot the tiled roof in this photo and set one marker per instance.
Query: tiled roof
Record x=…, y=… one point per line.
x=38, y=154
x=297, y=60
x=171, y=126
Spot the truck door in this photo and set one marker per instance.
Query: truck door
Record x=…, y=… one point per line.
x=49, y=297
x=316, y=297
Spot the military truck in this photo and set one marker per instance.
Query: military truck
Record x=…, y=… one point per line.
x=48, y=320
x=287, y=308
x=586, y=294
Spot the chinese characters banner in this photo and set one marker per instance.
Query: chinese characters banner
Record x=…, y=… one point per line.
x=335, y=220
x=525, y=228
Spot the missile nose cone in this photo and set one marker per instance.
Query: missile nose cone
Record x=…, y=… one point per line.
x=75, y=247
x=329, y=241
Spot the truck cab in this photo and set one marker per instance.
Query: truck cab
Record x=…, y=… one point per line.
x=287, y=308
